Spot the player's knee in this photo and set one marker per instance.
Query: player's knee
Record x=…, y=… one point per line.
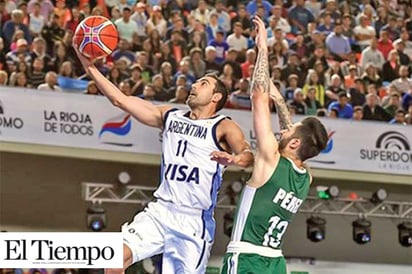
x=127, y=257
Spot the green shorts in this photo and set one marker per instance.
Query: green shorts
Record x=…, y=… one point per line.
x=247, y=263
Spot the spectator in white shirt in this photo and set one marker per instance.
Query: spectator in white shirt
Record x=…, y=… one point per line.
x=125, y=26
x=140, y=18
x=157, y=21
x=371, y=54
x=50, y=82
x=364, y=33
x=281, y=22
x=201, y=13
x=403, y=83
x=236, y=40
x=278, y=35
x=36, y=20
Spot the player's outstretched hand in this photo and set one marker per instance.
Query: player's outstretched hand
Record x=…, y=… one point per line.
x=223, y=158
x=261, y=33
x=258, y=92
x=87, y=63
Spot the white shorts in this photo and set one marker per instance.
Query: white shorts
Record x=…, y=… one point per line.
x=179, y=233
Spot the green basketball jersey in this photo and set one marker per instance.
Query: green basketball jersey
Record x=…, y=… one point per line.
x=264, y=213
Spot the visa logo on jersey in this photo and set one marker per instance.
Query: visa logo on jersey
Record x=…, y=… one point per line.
x=182, y=173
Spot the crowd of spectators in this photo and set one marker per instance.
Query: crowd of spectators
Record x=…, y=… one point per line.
x=341, y=59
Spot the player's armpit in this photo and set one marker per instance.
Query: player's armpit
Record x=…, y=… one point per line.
x=263, y=169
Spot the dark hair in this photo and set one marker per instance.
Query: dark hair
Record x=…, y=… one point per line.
x=219, y=88
x=342, y=94
x=334, y=110
x=313, y=136
x=321, y=112
x=358, y=108
x=125, y=82
x=400, y=111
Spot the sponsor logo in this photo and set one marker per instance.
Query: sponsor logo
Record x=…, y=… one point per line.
x=120, y=125
x=61, y=250
x=392, y=152
x=393, y=140
x=67, y=123
x=9, y=122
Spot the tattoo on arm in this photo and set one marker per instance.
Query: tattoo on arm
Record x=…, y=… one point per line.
x=261, y=73
x=285, y=121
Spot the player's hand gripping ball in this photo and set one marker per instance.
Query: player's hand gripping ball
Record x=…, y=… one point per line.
x=96, y=37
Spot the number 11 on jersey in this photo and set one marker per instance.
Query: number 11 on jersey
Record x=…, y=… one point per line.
x=181, y=148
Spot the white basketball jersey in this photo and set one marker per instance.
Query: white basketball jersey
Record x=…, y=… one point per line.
x=188, y=177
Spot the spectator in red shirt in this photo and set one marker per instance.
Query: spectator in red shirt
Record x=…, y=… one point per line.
x=177, y=46
x=75, y=19
x=384, y=44
x=250, y=60
x=4, y=15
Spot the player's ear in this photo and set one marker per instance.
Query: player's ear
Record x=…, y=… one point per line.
x=217, y=97
x=294, y=143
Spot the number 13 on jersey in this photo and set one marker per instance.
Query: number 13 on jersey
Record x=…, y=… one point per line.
x=277, y=226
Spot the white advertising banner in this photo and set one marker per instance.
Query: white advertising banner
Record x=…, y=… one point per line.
x=81, y=121
x=61, y=250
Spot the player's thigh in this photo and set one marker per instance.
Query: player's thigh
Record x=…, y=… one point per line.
x=235, y=263
x=186, y=255
x=144, y=236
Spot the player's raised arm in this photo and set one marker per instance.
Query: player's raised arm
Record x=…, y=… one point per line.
x=144, y=111
x=267, y=145
x=261, y=72
x=285, y=121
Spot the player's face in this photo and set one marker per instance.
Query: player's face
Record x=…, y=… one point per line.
x=286, y=137
x=201, y=93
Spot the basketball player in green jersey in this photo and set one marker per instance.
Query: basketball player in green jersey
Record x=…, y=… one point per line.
x=280, y=181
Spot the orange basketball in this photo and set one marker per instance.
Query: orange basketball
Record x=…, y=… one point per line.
x=96, y=37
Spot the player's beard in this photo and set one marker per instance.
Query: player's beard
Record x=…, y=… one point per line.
x=283, y=143
x=190, y=102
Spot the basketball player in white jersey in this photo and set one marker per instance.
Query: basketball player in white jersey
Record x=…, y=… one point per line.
x=197, y=146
